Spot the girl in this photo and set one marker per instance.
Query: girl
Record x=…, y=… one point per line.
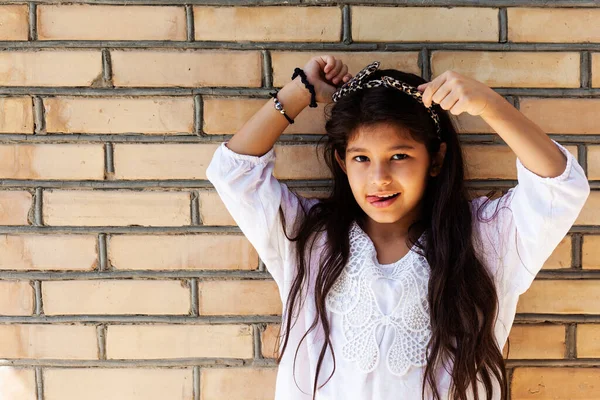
x=396, y=280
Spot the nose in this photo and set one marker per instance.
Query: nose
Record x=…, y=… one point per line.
x=380, y=174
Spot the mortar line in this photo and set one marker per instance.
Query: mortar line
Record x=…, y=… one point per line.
x=39, y=116
x=196, y=378
x=198, y=115
x=101, y=337
x=102, y=252
x=194, y=297
x=39, y=383
x=502, y=25
x=346, y=24
x=38, y=207
x=107, y=74
x=576, y=251
x=190, y=27
x=267, y=70
x=586, y=70
x=109, y=160
x=39, y=302
x=571, y=341
x=32, y=20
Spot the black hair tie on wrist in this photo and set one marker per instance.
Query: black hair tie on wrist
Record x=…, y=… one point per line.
x=311, y=88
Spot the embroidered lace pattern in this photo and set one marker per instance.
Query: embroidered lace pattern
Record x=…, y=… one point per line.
x=353, y=298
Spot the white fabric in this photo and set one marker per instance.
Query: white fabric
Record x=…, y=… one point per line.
x=379, y=313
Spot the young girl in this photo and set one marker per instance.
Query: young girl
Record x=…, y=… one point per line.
x=396, y=285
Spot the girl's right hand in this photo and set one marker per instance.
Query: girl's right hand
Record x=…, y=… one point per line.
x=326, y=74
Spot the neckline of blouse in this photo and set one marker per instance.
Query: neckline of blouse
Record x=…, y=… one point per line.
x=371, y=245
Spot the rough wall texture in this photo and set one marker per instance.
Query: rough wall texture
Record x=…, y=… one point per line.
x=122, y=276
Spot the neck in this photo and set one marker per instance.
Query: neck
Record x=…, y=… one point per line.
x=392, y=231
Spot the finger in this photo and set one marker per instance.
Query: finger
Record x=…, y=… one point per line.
x=433, y=86
x=423, y=86
x=441, y=93
x=450, y=100
x=335, y=70
x=347, y=77
x=339, y=76
x=459, y=107
x=329, y=63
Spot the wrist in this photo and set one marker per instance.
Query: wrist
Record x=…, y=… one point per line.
x=294, y=94
x=495, y=106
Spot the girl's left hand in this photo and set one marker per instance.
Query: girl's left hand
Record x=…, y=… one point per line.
x=457, y=93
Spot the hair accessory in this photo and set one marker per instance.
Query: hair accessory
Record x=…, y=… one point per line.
x=279, y=106
x=311, y=88
x=359, y=81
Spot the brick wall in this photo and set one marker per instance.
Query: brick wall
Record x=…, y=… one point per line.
x=122, y=276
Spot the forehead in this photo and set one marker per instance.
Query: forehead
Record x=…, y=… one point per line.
x=381, y=136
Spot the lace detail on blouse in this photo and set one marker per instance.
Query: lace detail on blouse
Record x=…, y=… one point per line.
x=353, y=298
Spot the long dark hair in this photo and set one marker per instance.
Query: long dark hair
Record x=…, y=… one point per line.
x=462, y=297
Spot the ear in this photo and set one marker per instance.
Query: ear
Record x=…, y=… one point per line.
x=341, y=162
x=438, y=160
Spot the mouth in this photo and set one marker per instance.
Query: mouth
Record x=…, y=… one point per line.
x=382, y=201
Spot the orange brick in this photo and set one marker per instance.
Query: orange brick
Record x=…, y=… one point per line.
x=118, y=384
x=424, y=24
x=284, y=62
x=52, y=161
x=90, y=22
x=514, y=69
x=596, y=70
x=588, y=340
x=16, y=114
x=21, y=383
x=299, y=162
x=48, y=342
x=14, y=23
x=466, y=123
x=197, y=252
x=561, y=297
x=157, y=115
x=112, y=208
x=269, y=341
x=16, y=298
x=536, y=342
x=238, y=383
x=213, y=211
x=561, y=256
x=589, y=215
x=591, y=252
x=224, y=116
x=568, y=25
x=50, y=67
x=190, y=68
x=178, y=341
x=493, y=161
x=555, y=383
x=115, y=297
x=593, y=160
x=263, y=24
x=48, y=252
x=577, y=116
x=14, y=207
x=239, y=298
x=162, y=161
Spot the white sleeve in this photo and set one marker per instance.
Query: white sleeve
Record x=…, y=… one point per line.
x=252, y=195
x=532, y=218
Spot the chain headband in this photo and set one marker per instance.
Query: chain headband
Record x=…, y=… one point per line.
x=359, y=81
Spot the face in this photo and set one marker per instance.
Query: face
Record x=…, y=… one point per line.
x=384, y=160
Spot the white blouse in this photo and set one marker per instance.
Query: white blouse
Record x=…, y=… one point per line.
x=379, y=314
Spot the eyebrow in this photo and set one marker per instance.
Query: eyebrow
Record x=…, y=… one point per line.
x=361, y=150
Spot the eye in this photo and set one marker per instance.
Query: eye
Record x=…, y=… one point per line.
x=402, y=157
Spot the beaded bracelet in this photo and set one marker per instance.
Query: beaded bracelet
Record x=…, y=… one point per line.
x=279, y=106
